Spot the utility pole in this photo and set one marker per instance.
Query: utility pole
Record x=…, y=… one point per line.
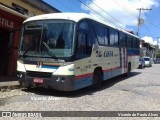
x=140, y=20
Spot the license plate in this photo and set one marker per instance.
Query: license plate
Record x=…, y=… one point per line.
x=38, y=80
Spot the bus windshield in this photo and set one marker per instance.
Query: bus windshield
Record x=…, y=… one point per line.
x=49, y=38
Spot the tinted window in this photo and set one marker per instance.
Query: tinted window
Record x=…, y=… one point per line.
x=100, y=32
x=106, y=37
x=83, y=46
x=116, y=38
x=122, y=40
x=84, y=25
x=85, y=32
x=41, y=37
x=146, y=59
x=130, y=41
x=113, y=37
x=137, y=43
x=134, y=42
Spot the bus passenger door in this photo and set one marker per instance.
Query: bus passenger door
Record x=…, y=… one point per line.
x=83, y=61
x=116, y=62
x=84, y=52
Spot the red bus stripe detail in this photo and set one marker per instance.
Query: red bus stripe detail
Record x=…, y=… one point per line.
x=116, y=68
x=91, y=74
x=84, y=75
x=107, y=70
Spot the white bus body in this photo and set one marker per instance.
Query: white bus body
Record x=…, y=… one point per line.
x=89, y=52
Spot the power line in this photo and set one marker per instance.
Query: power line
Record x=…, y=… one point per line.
x=101, y=15
x=127, y=12
x=105, y=12
x=130, y=12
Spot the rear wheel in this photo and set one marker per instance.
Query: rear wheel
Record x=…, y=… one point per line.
x=97, y=79
x=128, y=74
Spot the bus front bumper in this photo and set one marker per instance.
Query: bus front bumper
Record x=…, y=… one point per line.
x=61, y=83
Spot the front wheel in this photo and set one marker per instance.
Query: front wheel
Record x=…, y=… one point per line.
x=97, y=79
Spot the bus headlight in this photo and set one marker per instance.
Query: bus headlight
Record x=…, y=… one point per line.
x=60, y=79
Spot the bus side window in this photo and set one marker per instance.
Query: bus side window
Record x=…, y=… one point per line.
x=129, y=41
x=100, y=33
x=106, y=40
x=122, y=40
x=83, y=25
x=137, y=43
x=114, y=41
x=82, y=45
x=85, y=42
x=134, y=42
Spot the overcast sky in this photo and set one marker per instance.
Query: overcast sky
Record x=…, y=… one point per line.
x=122, y=13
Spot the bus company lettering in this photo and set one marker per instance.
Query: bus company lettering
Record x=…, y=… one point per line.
x=6, y=23
x=108, y=54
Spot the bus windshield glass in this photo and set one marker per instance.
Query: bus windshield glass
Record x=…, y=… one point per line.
x=49, y=38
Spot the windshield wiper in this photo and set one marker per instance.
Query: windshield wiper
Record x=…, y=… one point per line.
x=24, y=54
x=50, y=51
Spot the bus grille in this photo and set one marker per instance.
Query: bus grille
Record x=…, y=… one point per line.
x=38, y=74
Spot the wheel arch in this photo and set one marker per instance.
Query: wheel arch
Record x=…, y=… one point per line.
x=99, y=69
x=129, y=64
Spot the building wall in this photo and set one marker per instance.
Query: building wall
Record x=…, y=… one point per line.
x=31, y=10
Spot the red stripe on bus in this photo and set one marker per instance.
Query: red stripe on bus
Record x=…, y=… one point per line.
x=84, y=75
x=91, y=74
x=116, y=68
x=107, y=70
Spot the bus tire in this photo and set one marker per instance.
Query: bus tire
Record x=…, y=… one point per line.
x=97, y=79
x=128, y=74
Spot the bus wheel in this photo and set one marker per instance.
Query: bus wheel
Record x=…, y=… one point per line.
x=128, y=74
x=97, y=79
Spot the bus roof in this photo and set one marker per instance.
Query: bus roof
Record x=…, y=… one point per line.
x=74, y=17
x=66, y=16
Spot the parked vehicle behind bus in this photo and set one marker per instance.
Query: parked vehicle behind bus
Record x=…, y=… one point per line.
x=148, y=61
x=70, y=51
x=157, y=61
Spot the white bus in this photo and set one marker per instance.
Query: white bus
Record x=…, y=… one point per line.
x=70, y=51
